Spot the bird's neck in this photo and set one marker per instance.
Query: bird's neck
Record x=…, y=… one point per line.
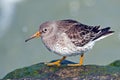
x=49, y=42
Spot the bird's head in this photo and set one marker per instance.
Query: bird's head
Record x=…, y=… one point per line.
x=46, y=30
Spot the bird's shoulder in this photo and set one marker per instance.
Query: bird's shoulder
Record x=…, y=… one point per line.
x=64, y=25
x=80, y=34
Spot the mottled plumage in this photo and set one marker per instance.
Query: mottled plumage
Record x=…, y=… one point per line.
x=69, y=37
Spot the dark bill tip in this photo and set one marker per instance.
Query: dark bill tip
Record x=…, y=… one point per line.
x=29, y=38
x=37, y=34
x=26, y=40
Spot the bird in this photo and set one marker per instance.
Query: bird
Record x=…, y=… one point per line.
x=69, y=38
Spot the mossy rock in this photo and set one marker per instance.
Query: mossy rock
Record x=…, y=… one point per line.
x=116, y=63
x=42, y=72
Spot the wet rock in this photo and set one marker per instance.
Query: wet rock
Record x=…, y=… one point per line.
x=86, y=72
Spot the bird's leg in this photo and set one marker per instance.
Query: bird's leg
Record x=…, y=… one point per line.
x=56, y=63
x=81, y=59
x=80, y=63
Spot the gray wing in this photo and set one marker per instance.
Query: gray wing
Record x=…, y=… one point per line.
x=64, y=25
x=80, y=34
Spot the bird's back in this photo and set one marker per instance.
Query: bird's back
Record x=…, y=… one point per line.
x=81, y=34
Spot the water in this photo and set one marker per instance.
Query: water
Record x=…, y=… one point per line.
x=29, y=14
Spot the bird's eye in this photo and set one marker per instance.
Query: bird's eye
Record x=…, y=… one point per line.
x=45, y=29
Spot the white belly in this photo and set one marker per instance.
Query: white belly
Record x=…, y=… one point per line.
x=65, y=47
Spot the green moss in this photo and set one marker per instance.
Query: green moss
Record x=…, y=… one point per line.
x=116, y=63
x=64, y=72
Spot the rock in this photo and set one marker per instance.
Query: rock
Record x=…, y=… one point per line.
x=87, y=72
x=116, y=63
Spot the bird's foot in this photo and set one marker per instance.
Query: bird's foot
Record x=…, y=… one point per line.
x=57, y=63
x=80, y=63
x=74, y=65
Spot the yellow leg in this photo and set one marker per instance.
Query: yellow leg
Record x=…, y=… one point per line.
x=81, y=59
x=56, y=63
x=80, y=63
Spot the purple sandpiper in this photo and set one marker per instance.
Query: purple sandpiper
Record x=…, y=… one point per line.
x=69, y=38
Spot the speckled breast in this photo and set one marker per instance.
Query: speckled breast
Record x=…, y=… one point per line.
x=65, y=47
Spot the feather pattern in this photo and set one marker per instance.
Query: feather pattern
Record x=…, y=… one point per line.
x=69, y=37
x=80, y=34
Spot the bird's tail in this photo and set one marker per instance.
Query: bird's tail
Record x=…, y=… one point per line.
x=103, y=33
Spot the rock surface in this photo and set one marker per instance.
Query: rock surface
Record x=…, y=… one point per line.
x=87, y=72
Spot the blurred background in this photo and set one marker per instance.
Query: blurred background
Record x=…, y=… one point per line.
x=19, y=19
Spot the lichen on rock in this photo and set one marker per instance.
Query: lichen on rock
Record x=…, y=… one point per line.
x=42, y=72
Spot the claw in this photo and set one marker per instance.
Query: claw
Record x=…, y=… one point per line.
x=74, y=65
x=57, y=63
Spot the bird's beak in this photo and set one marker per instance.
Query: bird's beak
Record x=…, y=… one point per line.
x=36, y=35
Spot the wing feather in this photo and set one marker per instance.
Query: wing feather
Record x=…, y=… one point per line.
x=81, y=34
